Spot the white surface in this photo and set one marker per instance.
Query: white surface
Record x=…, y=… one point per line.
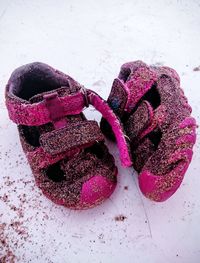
x=89, y=40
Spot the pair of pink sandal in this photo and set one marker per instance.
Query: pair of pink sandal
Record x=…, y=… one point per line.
x=146, y=113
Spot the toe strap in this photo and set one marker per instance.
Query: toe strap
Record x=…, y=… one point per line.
x=139, y=120
x=79, y=135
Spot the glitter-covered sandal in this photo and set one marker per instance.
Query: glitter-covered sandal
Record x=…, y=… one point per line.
x=67, y=154
x=156, y=118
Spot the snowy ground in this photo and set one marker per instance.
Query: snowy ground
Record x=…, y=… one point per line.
x=89, y=40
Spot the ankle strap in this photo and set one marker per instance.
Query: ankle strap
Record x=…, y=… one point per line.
x=36, y=114
x=99, y=104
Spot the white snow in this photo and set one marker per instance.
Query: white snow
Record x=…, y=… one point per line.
x=89, y=40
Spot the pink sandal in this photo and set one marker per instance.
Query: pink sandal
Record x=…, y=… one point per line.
x=67, y=154
x=156, y=117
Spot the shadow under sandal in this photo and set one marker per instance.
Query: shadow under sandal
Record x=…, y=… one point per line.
x=67, y=154
x=156, y=118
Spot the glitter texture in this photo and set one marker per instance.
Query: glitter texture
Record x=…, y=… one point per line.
x=67, y=154
x=156, y=119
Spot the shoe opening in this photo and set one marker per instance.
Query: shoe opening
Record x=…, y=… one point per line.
x=97, y=150
x=124, y=74
x=170, y=167
x=155, y=137
x=35, y=78
x=32, y=134
x=153, y=96
x=54, y=173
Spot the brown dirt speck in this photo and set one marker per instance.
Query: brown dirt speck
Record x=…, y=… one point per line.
x=196, y=68
x=120, y=218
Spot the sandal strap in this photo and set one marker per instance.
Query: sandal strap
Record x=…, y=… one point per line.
x=80, y=134
x=138, y=85
x=108, y=114
x=39, y=159
x=140, y=120
x=36, y=114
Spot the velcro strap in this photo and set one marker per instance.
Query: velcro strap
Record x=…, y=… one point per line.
x=140, y=119
x=159, y=116
x=118, y=97
x=40, y=159
x=76, y=135
x=138, y=85
x=38, y=113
